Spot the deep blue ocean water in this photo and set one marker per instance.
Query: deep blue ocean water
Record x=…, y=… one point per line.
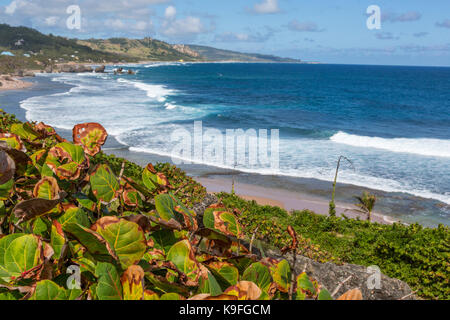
x=392, y=122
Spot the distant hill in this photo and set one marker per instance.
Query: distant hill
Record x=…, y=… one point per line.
x=213, y=54
x=20, y=40
x=142, y=49
x=49, y=49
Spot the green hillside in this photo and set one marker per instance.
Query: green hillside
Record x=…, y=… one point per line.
x=213, y=54
x=20, y=40
x=142, y=49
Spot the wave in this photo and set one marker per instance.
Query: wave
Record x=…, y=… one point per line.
x=165, y=64
x=346, y=177
x=154, y=91
x=421, y=146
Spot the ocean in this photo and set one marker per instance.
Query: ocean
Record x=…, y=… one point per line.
x=392, y=122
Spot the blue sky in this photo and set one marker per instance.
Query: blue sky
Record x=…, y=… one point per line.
x=413, y=32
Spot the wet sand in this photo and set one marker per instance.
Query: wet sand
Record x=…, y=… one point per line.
x=287, y=200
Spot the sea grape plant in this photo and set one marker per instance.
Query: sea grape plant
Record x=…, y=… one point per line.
x=130, y=238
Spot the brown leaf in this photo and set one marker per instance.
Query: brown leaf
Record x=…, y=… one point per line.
x=245, y=290
x=354, y=294
x=104, y=222
x=33, y=208
x=7, y=167
x=294, y=244
x=18, y=156
x=140, y=220
x=134, y=274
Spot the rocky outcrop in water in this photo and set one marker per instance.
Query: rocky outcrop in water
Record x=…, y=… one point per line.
x=100, y=69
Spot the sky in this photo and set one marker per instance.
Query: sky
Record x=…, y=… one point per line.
x=411, y=32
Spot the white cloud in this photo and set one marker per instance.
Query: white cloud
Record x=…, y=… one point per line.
x=245, y=37
x=187, y=26
x=170, y=12
x=115, y=24
x=266, y=7
x=51, y=21
x=175, y=28
x=126, y=16
x=11, y=8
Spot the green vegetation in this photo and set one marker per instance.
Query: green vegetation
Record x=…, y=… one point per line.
x=40, y=47
x=141, y=49
x=65, y=206
x=417, y=255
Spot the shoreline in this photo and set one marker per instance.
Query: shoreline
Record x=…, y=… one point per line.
x=13, y=83
x=287, y=200
x=287, y=192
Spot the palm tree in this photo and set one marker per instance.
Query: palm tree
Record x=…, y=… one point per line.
x=365, y=204
x=332, y=207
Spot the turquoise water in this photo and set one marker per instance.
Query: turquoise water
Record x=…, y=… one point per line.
x=392, y=122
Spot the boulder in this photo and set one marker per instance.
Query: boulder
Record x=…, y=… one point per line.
x=100, y=69
x=75, y=68
x=82, y=68
x=29, y=74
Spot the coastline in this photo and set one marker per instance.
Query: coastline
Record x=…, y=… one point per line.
x=286, y=192
x=13, y=83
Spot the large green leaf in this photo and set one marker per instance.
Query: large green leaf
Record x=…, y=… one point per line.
x=4, y=244
x=222, y=221
x=281, y=273
x=109, y=286
x=183, y=257
x=6, y=190
x=125, y=238
x=66, y=160
x=25, y=131
x=226, y=274
x=259, y=274
x=104, y=184
x=48, y=290
x=91, y=240
x=73, y=214
x=149, y=178
x=22, y=254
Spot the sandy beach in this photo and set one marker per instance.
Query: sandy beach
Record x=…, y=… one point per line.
x=286, y=199
x=13, y=83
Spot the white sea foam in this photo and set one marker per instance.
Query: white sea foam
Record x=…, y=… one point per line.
x=425, y=147
x=170, y=106
x=139, y=116
x=157, y=92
